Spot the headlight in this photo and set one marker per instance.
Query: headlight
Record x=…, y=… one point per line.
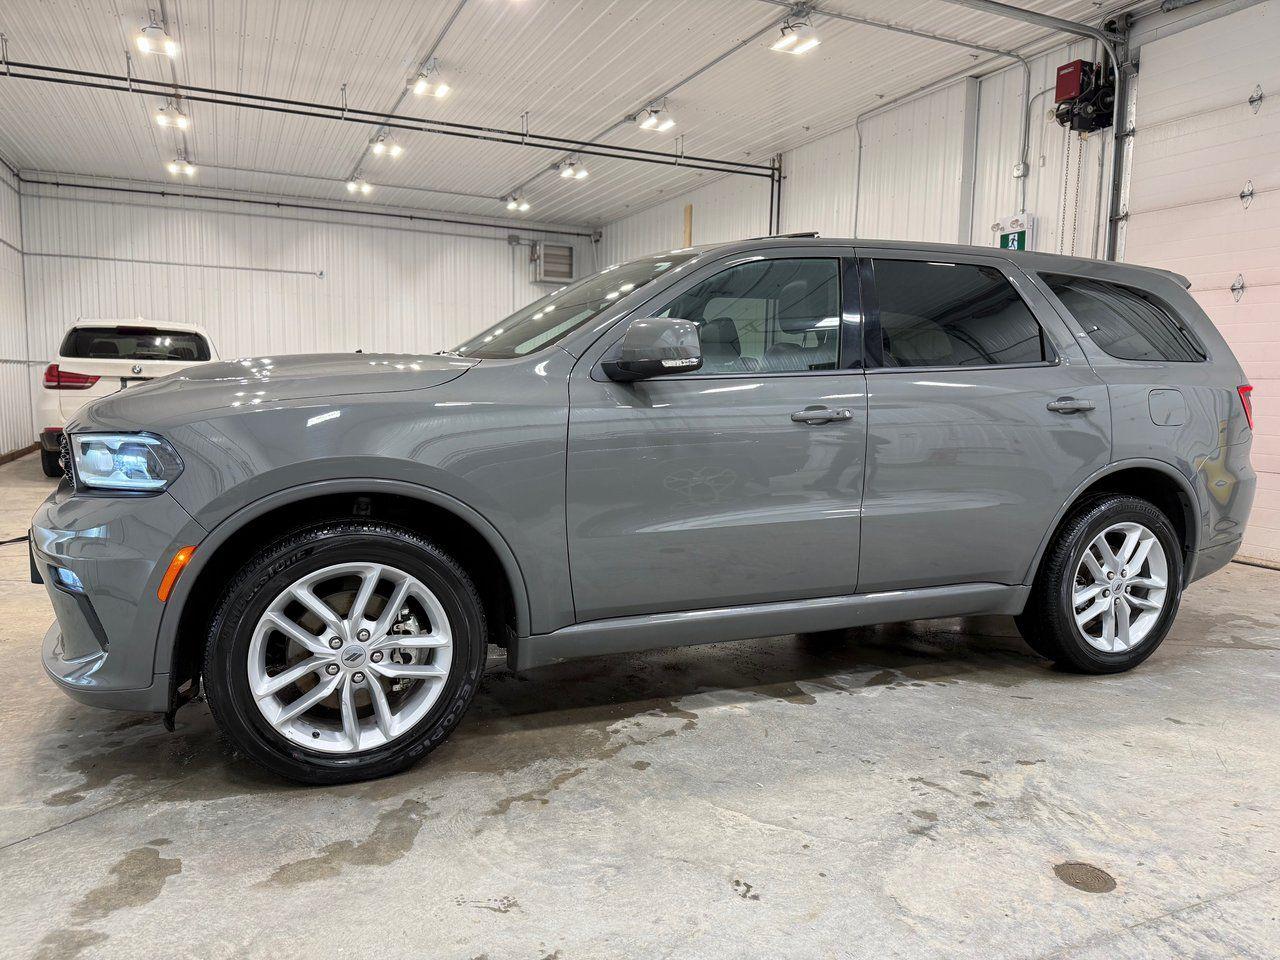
x=135, y=462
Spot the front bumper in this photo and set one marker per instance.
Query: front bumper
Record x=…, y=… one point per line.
x=101, y=560
x=76, y=676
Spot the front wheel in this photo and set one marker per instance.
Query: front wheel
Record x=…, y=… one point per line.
x=344, y=652
x=1108, y=587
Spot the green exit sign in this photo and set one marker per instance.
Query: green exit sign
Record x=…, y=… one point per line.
x=1014, y=240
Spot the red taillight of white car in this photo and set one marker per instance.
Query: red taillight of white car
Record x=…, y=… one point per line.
x=55, y=379
x=1246, y=398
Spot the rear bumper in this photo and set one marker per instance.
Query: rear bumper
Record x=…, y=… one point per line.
x=1212, y=559
x=77, y=676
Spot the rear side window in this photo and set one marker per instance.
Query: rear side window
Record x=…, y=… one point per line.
x=954, y=315
x=1124, y=322
x=134, y=343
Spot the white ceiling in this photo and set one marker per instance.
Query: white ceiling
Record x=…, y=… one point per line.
x=577, y=67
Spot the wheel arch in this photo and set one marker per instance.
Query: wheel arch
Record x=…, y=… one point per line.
x=446, y=520
x=1154, y=480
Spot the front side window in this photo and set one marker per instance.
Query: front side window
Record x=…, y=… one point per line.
x=557, y=315
x=954, y=315
x=1124, y=322
x=134, y=343
x=766, y=316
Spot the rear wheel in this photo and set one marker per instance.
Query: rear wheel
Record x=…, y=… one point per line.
x=1108, y=589
x=51, y=462
x=344, y=652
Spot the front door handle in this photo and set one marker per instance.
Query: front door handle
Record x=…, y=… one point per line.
x=1069, y=405
x=819, y=415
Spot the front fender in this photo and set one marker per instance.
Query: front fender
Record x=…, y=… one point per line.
x=171, y=616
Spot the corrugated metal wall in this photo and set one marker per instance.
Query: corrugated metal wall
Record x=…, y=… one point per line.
x=917, y=167
x=726, y=209
x=15, y=377
x=267, y=282
x=935, y=167
x=1068, y=175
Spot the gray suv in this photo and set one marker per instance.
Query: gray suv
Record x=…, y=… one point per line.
x=774, y=436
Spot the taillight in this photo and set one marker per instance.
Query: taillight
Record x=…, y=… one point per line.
x=1246, y=399
x=55, y=379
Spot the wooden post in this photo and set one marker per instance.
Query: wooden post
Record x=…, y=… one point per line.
x=688, y=225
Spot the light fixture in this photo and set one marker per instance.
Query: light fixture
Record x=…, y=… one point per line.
x=796, y=38
x=181, y=166
x=429, y=83
x=152, y=38
x=516, y=202
x=386, y=147
x=658, y=119
x=170, y=116
x=572, y=170
x=359, y=186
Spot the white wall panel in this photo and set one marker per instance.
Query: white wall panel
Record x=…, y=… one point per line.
x=15, y=377
x=726, y=209
x=818, y=189
x=917, y=167
x=265, y=282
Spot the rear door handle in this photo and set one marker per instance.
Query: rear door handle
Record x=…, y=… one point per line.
x=1069, y=405
x=819, y=415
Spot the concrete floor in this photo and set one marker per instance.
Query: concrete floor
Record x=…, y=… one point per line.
x=919, y=790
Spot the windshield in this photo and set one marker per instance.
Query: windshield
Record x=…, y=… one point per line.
x=556, y=315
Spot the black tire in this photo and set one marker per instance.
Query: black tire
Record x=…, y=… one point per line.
x=271, y=571
x=1048, y=622
x=50, y=462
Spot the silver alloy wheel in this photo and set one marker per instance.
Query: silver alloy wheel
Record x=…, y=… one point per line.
x=1120, y=587
x=350, y=657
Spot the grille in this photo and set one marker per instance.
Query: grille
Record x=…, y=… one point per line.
x=64, y=458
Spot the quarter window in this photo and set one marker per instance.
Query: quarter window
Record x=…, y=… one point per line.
x=766, y=316
x=953, y=315
x=1124, y=322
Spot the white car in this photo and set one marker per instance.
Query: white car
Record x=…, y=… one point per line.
x=99, y=357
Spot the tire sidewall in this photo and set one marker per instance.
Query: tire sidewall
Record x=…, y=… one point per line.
x=274, y=570
x=1104, y=515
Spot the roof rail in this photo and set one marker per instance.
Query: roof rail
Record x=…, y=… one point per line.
x=784, y=236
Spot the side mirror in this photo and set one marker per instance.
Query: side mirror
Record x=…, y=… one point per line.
x=655, y=347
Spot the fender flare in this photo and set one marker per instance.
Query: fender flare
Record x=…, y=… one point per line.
x=1168, y=469
x=167, y=638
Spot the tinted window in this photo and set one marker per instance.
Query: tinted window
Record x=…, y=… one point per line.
x=134, y=343
x=1124, y=322
x=556, y=315
x=766, y=316
x=953, y=315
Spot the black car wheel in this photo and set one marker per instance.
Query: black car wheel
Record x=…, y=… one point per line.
x=1108, y=588
x=345, y=651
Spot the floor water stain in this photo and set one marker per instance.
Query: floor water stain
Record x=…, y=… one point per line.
x=391, y=838
x=135, y=880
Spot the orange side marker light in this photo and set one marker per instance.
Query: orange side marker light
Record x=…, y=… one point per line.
x=180, y=560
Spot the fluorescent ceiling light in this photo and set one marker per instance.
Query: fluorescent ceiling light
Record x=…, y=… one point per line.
x=170, y=116
x=517, y=203
x=153, y=39
x=386, y=147
x=359, y=186
x=657, y=119
x=572, y=170
x=430, y=83
x=797, y=38
x=181, y=166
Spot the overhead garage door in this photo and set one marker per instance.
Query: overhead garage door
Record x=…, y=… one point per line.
x=1200, y=144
